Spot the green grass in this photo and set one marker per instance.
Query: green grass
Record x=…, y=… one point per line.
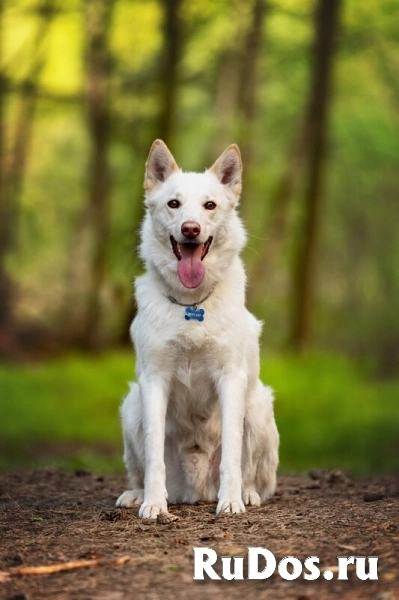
x=65, y=413
x=330, y=414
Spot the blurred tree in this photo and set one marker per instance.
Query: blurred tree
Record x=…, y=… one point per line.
x=5, y=217
x=13, y=165
x=303, y=281
x=92, y=227
x=227, y=74
x=169, y=73
x=249, y=86
x=98, y=63
x=237, y=87
x=277, y=217
x=5, y=304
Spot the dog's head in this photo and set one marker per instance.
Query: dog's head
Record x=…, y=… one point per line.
x=191, y=228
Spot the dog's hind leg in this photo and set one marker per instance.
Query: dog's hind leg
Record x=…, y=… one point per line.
x=260, y=448
x=134, y=443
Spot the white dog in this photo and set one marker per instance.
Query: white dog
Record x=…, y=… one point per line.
x=199, y=423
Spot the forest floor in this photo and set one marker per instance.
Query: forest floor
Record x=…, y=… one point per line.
x=50, y=516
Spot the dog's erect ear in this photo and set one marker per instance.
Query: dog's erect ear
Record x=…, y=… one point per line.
x=159, y=166
x=228, y=168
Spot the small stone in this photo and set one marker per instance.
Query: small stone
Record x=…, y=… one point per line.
x=82, y=473
x=373, y=497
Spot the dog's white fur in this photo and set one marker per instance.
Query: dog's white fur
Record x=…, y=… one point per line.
x=199, y=423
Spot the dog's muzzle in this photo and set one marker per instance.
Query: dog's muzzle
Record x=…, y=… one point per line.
x=190, y=268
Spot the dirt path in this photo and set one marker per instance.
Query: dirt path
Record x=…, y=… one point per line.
x=51, y=517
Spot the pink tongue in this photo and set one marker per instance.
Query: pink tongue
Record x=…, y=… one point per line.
x=190, y=269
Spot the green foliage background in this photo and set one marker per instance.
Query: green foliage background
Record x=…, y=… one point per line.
x=329, y=412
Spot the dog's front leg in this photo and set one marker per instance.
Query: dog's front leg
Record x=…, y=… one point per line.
x=232, y=387
x=154, y=402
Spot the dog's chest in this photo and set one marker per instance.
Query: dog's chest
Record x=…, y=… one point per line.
x=193, y=373
x=193, y=397
x=195, y=357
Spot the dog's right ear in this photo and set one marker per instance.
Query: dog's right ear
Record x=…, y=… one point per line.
x=159, y=166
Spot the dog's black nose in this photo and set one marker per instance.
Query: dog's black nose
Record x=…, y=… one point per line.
x=191, y=229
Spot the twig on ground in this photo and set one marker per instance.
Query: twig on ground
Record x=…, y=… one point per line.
x=68, y=566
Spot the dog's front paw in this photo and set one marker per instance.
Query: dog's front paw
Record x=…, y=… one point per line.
x=230, y=506
x=251, y=497
x=151, y=510
x=130, y=498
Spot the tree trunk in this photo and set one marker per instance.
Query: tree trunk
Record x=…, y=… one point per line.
x=228, y=74
x=95, y=217
x=249, y=81
x=5, y=218
x=12, y=171
x=248, y=101
x=303, y=292
x=278, y=215
x=169, y=75
x=225, y=102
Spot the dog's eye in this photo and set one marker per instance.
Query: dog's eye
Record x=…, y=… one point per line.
x=210, y=205
x=174, y=203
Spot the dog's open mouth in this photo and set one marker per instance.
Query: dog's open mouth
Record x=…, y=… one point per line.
x=190, y=255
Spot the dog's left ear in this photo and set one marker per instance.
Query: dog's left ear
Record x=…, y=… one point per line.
x=228, y=168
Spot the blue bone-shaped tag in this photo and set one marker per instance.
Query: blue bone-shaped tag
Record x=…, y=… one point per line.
x=194, y=313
